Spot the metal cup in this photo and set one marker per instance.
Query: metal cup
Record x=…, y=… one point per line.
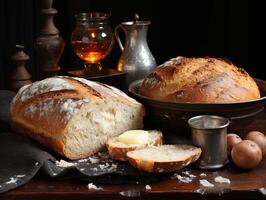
x=209, y=132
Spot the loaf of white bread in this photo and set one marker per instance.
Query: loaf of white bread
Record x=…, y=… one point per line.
x=199, y=80
x=73, y=116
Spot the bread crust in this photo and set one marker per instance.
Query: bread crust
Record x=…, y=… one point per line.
x=199, y=80
x=54, y=144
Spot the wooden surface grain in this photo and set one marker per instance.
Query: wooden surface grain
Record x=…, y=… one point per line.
x=245, y=184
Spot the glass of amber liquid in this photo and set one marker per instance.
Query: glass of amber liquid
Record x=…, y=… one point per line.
x=92, y=39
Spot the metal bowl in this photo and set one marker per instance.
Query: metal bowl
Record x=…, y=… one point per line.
x=173, y=116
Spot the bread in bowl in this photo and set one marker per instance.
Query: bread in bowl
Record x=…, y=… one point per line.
x=199, y=80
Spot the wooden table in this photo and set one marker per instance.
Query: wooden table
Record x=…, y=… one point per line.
x=244, y=185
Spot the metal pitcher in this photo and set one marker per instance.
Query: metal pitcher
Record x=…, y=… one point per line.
x=136, y=59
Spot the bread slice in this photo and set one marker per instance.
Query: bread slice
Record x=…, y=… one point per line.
x=164, y=158
x=118, y=150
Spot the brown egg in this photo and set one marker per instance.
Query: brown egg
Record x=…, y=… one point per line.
x=259, y=138
x=246, y=154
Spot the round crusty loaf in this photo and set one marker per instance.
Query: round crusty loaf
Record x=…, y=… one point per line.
x=202, y=80
x=164, y=158
x=73, y=116
x=118, y=150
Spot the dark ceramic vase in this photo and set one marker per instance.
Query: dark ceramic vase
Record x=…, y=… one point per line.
x=49, y=45
x=49, y=49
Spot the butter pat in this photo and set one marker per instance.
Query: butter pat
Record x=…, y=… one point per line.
x=134, y=137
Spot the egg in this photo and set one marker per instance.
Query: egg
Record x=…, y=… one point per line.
x=259, y=138
x=246, y=154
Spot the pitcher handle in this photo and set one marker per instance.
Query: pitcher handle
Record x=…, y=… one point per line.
x=118, y=38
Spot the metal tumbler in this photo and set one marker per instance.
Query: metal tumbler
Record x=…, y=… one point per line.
x=209, y=132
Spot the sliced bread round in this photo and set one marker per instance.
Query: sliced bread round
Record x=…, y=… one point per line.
x=118, y=150
x=164, y=158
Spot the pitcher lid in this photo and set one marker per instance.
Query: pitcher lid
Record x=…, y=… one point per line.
x=136, y=21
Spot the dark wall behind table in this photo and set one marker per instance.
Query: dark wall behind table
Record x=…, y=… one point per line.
x=218, y=28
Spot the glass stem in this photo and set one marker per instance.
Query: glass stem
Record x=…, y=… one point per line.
x=93, y=67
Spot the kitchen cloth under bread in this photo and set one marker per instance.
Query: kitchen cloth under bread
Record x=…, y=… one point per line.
x=21, y=159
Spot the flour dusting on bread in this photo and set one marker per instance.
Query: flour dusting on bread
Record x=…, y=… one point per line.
x=46, y=85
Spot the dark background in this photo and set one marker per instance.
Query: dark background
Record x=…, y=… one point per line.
x=215, y=28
